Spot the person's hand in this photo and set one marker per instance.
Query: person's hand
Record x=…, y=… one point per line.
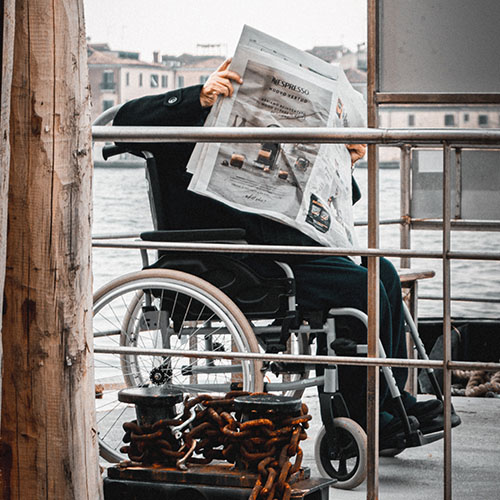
x=357, y=151
x=219, y=83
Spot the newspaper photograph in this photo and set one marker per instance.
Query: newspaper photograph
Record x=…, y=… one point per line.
x=306, y=186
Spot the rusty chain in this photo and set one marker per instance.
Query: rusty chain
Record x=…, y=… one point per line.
x=154, y=443
x=264, y=444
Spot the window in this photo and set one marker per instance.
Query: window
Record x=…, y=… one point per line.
x=108, y=80
x=482, y=120
x=164, y=81
x=203, y=78
x=155, y=81
x=140, y=79
x=466, y=117
x=106, y=104
x=449, y=120
x=180, y=81
x=411, y=120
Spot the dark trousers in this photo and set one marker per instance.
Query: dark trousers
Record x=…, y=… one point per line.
x=332, y=281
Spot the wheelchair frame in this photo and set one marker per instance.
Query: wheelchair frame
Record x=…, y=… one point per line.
x=332, y=445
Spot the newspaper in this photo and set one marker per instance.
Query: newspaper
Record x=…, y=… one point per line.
x=306, y=186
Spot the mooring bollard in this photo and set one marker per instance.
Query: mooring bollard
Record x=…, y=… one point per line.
x=151, y=403
x=238, y=446
x=276, y=425
x=150, y=437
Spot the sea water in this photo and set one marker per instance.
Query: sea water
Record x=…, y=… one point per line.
x=121, y=206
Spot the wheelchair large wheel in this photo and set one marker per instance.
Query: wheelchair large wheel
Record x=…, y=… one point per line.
x=163, y=309
x=347, y=463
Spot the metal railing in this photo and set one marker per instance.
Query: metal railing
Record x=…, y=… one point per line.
x=445, y=138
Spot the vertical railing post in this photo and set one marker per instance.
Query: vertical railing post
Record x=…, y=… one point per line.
x=458, y=184
x=446, y=319
x=404, y=208
x=373, y=372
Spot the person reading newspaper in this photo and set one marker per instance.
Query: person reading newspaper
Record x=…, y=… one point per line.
x=321, y=282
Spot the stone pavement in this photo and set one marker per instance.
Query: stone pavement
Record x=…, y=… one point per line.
x=417, y=473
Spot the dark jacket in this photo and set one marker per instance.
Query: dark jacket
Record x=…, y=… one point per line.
x=184, y=209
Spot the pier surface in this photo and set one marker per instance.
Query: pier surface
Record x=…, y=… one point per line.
x=417, y=473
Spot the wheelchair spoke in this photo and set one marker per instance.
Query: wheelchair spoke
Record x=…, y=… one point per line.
x=343, y=466
x=170, y=313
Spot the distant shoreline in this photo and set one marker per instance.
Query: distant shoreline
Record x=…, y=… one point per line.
x=382, y=164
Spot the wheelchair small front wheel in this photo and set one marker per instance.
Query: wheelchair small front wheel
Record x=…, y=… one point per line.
x=347, y=462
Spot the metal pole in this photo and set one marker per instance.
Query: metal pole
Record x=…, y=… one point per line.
x=458, y=183
x=299, y=358
x=325, y=135
x=447, y=319
x=373, y=373
x=296, y=250
x=405, y=228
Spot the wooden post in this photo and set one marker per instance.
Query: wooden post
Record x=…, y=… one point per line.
x=7, y=21
x=48, y=411
x=7, y=16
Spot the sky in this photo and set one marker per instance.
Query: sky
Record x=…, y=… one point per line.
x=176, y=27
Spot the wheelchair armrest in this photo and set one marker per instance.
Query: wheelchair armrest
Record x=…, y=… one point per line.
x=110, y=150
x=409, y=276
x=195, y=235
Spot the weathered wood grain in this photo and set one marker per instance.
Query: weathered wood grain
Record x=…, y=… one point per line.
x=48, y=411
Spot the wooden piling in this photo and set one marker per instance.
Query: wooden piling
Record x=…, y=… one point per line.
x=48, y=416
x=7, y=18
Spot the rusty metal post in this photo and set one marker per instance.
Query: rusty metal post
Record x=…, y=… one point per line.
x=373, y=373
x=446, y=319
x=404, y=209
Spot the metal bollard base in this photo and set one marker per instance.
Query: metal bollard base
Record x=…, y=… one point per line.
x=207, y=482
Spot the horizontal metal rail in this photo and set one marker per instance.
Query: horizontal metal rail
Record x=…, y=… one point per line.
x=291, y=135
x=457, y=224
x=459, y=299
x=296, y=250
x=115, y=236
x=301, y=358
x=382, y=222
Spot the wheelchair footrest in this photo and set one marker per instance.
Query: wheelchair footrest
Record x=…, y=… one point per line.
x=278, y=367
x=347, y=347
x=401, y=441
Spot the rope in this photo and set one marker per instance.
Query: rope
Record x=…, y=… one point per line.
x=481, y=383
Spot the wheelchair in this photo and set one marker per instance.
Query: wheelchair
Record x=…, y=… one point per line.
x=195, y=301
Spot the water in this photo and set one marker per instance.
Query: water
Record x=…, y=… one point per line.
x=121, y=206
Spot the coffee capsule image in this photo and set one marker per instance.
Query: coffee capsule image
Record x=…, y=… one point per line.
x=318, y=215
x=237, y=160
x=339, y=108
x=283, y=174
x=301, y=163
x=264, y=156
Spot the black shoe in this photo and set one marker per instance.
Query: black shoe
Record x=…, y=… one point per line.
x=391, y=435
x=437, y=423
x=425, y=411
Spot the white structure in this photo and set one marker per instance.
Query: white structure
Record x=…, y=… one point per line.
x=116, y=77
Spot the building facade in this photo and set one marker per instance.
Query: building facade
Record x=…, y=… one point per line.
x=116, y=77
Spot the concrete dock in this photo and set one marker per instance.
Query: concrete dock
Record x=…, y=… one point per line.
x=417, y=473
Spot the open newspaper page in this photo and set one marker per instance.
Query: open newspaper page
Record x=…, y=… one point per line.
x=307, y=186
